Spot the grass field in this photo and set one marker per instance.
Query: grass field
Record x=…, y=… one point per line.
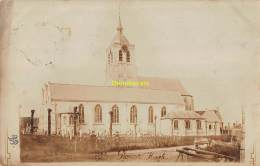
x=56, y=149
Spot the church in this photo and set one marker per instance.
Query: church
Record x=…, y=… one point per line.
x=161, y=108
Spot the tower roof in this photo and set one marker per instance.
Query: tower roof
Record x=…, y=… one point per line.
x=120, y=27
x=120, y=38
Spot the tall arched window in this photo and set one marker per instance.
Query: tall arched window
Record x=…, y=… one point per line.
x=120, y=56
x=176, y=126
x=115, y=114
x=163, y=111
x=128, y=56
x=198, y=124
x=81, y=114
x=187, y=124
x=150, y=114
x=110, y=57
x=98, y=113
x=71, y=119
x=133, y=114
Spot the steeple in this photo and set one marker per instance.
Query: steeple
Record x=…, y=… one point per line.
x=119, y=28
x=120, y=56
x=120, y=37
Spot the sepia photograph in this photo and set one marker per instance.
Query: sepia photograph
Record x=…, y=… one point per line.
x=129, y=81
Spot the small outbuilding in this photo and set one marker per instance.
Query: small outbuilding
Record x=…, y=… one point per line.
x=183, y=123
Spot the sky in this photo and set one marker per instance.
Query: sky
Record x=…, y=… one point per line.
x=212, y=47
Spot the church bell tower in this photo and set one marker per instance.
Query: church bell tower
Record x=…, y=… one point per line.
x=120, y=63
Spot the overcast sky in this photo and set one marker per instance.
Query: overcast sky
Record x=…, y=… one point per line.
x=212, y=47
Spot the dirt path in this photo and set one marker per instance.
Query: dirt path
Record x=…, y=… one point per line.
x=165, y=149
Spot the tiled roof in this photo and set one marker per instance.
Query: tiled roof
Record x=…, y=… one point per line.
x=183, y=115
x=211, y=115
x=73, y=92
x=164, y=84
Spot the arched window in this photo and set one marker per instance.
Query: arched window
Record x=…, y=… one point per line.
x=150, y=114
x=175, y=124
x=120, y=55
x=115, y=114
x=110, y=57
x=163, y=111
x=128, y=56
x=210, y=127
x=98, y=113
x=198, y=124
x=71, y=120
x=81, y=114
x=187, y=124
x=65, y=120
x=124, y=48
x=133, y=114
